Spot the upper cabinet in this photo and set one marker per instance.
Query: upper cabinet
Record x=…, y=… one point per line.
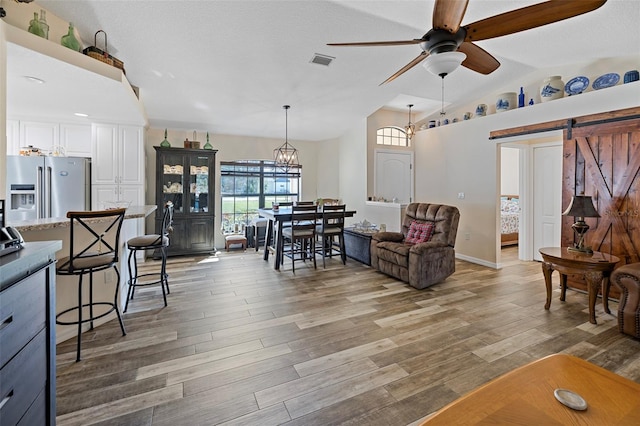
x=118, y=167
x=71, y=140
x=118, y=154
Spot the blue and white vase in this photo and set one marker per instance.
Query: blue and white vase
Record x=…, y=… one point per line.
x=506, y=101
x=552, y=88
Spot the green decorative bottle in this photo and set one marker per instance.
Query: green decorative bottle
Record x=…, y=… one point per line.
x=208, y=145
x=70, y=39
x=34, y=26
x=165, y=143
x=43, y=24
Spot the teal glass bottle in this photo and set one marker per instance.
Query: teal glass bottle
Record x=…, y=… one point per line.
x=165, y=143
x=43, y=24
x=208, y=145
x=34, y=26
x=69, y=40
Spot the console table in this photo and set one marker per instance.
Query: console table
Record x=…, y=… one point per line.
x=596, y=268
x=357, y=244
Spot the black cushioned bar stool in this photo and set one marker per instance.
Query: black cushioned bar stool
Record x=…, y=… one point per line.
x=93, y=246
x=150, y=242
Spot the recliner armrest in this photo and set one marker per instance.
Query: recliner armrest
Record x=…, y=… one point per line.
x=397, y=237
x=422, y=248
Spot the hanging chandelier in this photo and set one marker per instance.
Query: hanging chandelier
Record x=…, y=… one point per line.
x=410, y=128
x=286, y=156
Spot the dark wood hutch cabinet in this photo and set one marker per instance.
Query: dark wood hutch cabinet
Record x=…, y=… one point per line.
x=186, y=177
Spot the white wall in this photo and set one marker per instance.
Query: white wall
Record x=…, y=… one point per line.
x=3, y=112
x=509, y=171
x=460, y=157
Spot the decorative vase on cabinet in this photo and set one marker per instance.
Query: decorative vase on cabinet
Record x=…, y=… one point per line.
x=552, y=88
x=186, y=177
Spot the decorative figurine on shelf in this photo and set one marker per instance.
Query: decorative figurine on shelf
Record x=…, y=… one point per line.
x=531, y=101
x=208, y=145
x=69, y=40
x=165, y=143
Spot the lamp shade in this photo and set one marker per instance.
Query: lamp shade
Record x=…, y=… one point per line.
x=581, y=206
x=443, y=63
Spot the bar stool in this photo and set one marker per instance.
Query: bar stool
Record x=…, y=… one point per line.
x=150, y=242
x=301, y=234
x=102, y=231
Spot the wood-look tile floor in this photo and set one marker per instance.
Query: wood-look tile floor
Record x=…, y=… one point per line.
x=243, y=344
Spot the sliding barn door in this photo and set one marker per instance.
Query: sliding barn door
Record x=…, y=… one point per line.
x=602, y=160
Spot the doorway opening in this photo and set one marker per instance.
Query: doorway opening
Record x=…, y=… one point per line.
x=539, y=190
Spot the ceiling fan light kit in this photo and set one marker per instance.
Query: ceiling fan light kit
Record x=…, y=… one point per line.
x=444, y=64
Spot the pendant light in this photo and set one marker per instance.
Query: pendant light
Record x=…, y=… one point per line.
x=410, y=128
x=286, y=156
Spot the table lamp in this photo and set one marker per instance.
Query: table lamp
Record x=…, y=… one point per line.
x=581, y=206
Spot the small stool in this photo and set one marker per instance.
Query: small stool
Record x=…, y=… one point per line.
x=257, y=224
x=235, y=239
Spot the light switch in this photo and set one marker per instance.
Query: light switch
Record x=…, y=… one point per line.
x=461, y=195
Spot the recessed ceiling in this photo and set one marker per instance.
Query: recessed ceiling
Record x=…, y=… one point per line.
x=228, y=66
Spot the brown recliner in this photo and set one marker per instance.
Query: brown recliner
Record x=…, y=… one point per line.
x=627, y=278
x=421, y=264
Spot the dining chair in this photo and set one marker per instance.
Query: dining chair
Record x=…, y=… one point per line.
x=332, y=226
x=301, y=235
x=94, y=245
x=159, y=242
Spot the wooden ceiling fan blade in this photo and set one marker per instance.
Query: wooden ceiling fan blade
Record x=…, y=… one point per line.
x=406, y=68
x=478, y=59
x=448, y=14
x=379, y=43
x=529, y=17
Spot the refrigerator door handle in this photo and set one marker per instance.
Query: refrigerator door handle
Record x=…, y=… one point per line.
x=39, y=194
x=47, y=189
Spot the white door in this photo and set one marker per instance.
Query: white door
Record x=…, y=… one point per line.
x=547, y=197
x=394, y=175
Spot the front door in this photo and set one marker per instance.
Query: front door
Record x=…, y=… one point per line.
x=394, y=176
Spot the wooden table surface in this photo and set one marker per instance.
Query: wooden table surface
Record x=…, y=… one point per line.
x=525, y=396
x=596, y=268
x=284, y=214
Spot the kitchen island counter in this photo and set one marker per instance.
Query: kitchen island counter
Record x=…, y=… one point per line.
x=133, y=212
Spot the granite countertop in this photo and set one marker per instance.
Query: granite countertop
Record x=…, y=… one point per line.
x=17, y=265
x=133, y=212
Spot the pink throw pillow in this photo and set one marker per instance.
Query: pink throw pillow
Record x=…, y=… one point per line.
x=419, y=232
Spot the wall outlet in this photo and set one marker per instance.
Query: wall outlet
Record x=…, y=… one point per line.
x=461, y=195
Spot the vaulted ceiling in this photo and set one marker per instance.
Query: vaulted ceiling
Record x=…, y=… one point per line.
x=228, y=66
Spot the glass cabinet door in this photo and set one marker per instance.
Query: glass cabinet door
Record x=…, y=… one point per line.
x=173, y=181
x=199, y=184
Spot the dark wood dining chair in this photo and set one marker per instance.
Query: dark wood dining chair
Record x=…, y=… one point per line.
x=332, y=226
x=301, y=235
x=94, y=245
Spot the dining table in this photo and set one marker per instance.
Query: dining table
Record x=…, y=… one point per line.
x=276, y=220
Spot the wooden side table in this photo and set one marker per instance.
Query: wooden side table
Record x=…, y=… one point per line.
x=596, y=268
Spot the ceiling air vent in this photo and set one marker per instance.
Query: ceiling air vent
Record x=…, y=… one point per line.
x=321, y=59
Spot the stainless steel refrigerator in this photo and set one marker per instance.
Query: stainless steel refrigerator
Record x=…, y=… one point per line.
x=42, y=187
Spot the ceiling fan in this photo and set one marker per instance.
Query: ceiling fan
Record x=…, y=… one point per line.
x=448, y=44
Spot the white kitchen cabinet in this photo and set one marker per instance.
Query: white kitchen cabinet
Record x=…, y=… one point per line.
x=13, y=137
x=39, y=134
x=75, y=139
x=118, y=171
x=104, y=196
